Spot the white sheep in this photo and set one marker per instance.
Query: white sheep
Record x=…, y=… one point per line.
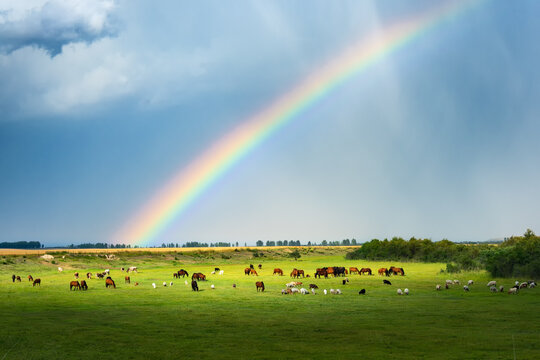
x=60, y=269
x=449, y=282
x=501, y=289
x=325, y=292
x=221, y=272
x=294, y=290
x=185, y=282
x=332, y=291
x=154, y=285
x=164, y=283
x=291, y=284
x=456, y=282
x=532, y=285
x=493, y=289
x=438, y=287
x=213, y=272
x=212, y=287
x=406, y=291
x=313, y=291
x=513, y=291
x=303, y=291
x=523, y=285
x=338, y=292
x=470, y=282
x=466, y=288
x=283, y=291
x=399, y=292
x=516, y=283
x=492, y=283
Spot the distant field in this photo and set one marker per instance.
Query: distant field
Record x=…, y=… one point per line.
x=137, y=322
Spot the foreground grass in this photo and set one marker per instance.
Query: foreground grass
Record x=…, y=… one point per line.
x=133, y=322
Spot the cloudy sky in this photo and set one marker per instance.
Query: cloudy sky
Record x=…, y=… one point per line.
x=102, y=101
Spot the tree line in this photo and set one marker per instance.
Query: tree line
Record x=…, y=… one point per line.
x=517, y=256
x=344, y=242
x=21, y=245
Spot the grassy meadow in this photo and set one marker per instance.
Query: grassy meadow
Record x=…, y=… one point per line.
x=173, y=322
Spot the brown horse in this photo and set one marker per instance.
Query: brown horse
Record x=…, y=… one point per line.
x=194, y=285
x=353, y=270
x=89, y=275
x=175, y=275
x=260, y=286
x=76, y=275
x=198, y=276
x=100, y=275
x=18, y=278
x=127, y=280
x=249, y=271
x=36, y=282
x=384, y=271
x=301, y=272
x=260, y=266
x=109, y=282
x=278, y=271
x=365, y=270
x=84, y=286
x=74, y=284
x=30, y=278
x=396, y=271
x=182, y=273
x=321, y=272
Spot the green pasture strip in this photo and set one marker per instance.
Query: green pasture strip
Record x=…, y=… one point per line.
x=173, y=322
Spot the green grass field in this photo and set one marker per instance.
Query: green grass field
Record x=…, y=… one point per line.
x=140, y=322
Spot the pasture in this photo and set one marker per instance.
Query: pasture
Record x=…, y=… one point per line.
x=133, y=322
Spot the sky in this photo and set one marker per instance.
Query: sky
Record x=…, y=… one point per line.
x=102, y=102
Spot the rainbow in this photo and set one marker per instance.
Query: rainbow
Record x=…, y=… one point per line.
x=184, y=188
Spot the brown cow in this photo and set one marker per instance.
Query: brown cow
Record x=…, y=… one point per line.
x=354, y=270
x=109, y=282
x=74, y=284
x=36, y=282
x=278, y=271
x=30, y=278
x=127, y=280
x=84, y=286
x=260, y=286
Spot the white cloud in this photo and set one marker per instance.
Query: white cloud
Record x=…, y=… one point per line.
x=54, y=23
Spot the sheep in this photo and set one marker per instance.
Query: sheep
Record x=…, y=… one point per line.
x=325, y=292
x=213, y=272
x=399, y=292
x=294, y=290
x=212, y=287
x=303, y=291
x=532, y=285
x=438, y=287
x=470, y=282
x=185, y=282
x=284, y=292
x=466, y=288
x=493, y=289
x=107, y=271
x=221, y=272
x=332, y=291
x=60, y=269
x=513, y=291
x=165, y=283
x=171, y=284
x=449, y=282
x=154, y=285
x=523, y=285
x=406, y=291
x=313, y=291
x=492, y=283
x=291, y=284
x=501, y=288
x=456, y=282
x=446, y=286
x=338, y=292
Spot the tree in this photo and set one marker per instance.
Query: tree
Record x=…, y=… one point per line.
x=529, y=234
x=259, y=243
x=353, y=242
x=295, y=254
x=324, y=243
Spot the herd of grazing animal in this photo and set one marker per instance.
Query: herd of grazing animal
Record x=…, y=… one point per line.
x=293, y=287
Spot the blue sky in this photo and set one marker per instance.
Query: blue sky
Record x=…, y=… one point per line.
x=101, y=102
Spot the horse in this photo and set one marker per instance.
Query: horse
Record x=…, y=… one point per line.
x=387, y=282
x=198, y=276
x=182, y=273
x=260, y=266
x=13, y=277
x=89, y=275
x=278, y=271
x=109, y=282
x=251, y=266
x=253, y=272
x=353, y=270
x=76, y=275
x=294, y=273
x=175, y=275
x=321, y=272
x=300, y=272
x=83, y=285
x=36, y=282
x=247, y=271
x=19, y=279
x=127, y=280
x=384, y=271
x=30, y=278
x=365, y=270
x=100, y=275
x=313, y=286
x=260, y=286
x=74, y=284
x=396, y=271
x=194, y=285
